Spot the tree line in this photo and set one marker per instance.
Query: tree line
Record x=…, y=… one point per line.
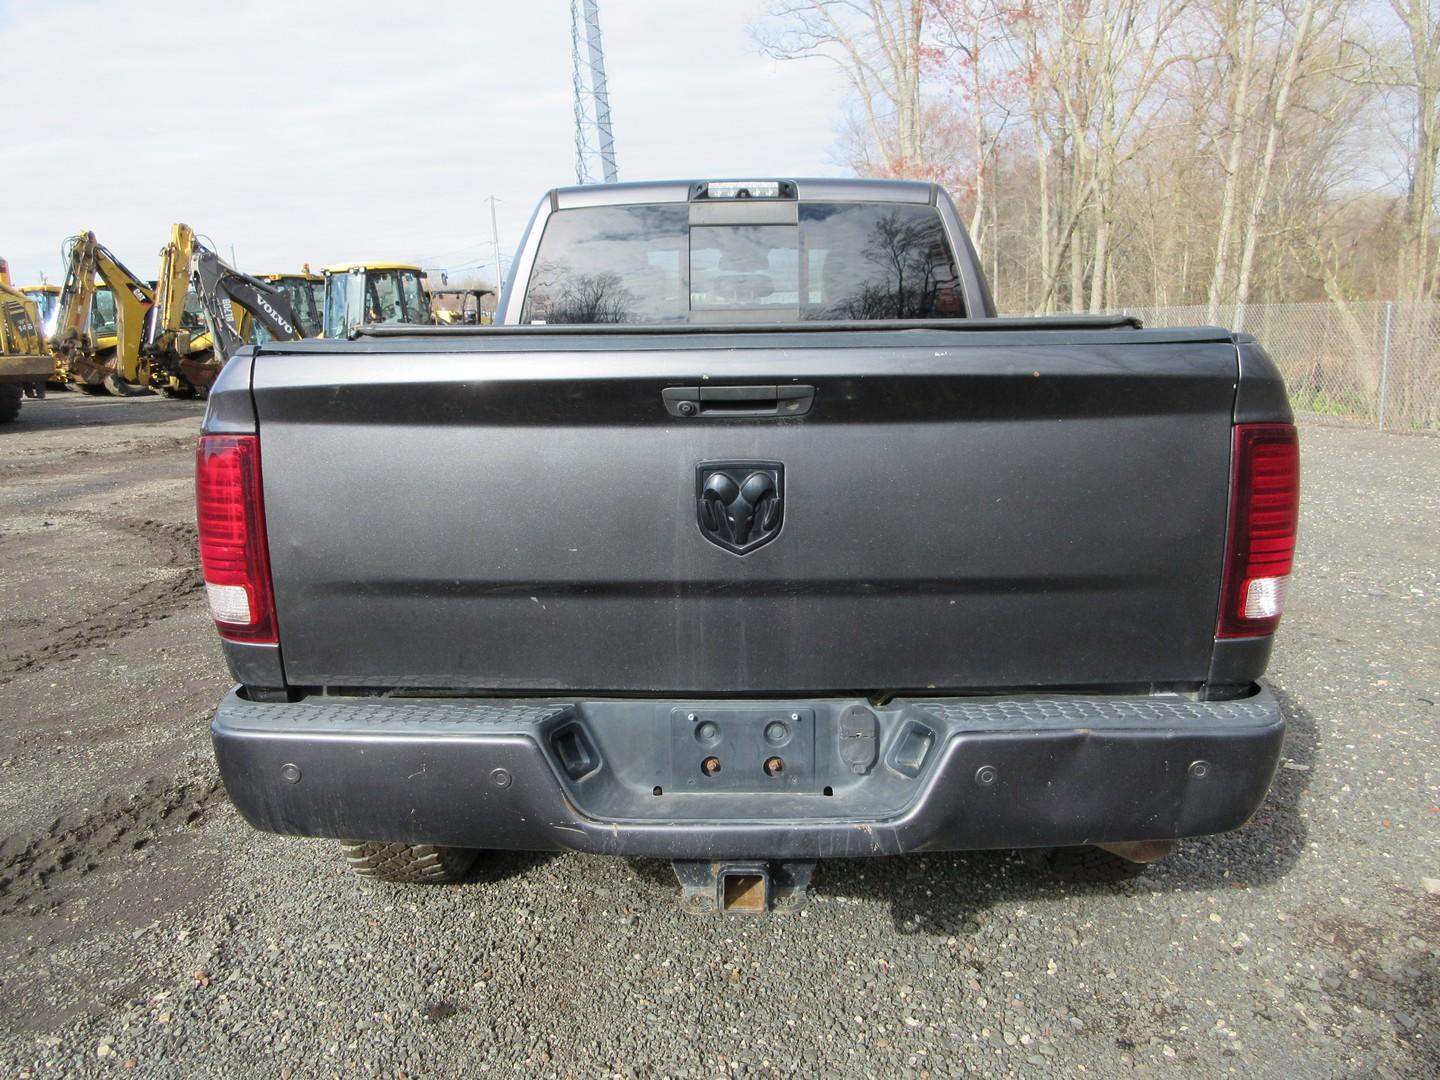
x=1125, y=152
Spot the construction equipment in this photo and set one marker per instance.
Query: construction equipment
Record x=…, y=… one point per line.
x=46, y=298
x=234, y=302
x=306, y=293
x=201, y=300
x=25, y=360
x=88, y=360
x=460, y=307
x=75, y=331
x=178, y=346
x=366, y=294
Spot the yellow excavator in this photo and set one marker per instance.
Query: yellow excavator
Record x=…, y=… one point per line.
x=205, y=310
x=25, y=359
x=179, y=348
x=75, y=331
x=364, y=294
x=99, y=369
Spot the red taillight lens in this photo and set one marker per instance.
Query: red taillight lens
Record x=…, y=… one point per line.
x=1264, y=513
x=233, y=554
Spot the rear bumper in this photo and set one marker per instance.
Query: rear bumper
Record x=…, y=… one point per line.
x=624, y=777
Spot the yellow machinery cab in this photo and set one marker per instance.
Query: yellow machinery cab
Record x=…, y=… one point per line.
x=306, y=293
x=367, y=294
x=46, y=298
x=104, y=321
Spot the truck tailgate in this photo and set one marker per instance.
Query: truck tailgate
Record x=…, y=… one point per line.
x=961, y=510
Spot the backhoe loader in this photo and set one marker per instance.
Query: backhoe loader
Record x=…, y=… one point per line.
x=306, y=293
x=78, y=323
x=181, y=341
x=364, y=294
x=25, y=360
x=238, y=306
x=178, y=347
x=96, y=368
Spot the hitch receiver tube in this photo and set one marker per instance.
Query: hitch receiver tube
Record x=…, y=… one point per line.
x=742, y=888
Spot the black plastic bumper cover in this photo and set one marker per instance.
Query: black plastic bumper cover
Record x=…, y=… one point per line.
x=990, y=772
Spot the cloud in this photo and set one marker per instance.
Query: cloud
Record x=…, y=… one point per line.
x=338, y=129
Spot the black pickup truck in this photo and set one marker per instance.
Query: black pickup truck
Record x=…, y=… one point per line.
x=749, y=536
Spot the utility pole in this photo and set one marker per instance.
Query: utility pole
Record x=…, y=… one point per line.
x=495, y=240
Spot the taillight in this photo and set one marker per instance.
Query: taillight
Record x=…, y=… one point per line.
x=234, y=558
x=1264, y=513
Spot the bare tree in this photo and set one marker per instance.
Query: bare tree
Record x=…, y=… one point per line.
x=1238, y=21
x=1300, y=43
x=878, y=44
x=1110, y=152
x=1419, y=78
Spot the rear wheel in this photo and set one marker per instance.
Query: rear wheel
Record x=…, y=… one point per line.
x=10, y=398
x=407, y=863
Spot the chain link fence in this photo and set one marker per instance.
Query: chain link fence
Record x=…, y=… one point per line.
x=1375, y=363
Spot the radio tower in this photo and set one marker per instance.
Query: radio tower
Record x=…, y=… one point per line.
x=592, y=96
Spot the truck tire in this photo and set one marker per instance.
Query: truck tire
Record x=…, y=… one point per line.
x=10, y=398
x=1082, y=865
x=407, y=863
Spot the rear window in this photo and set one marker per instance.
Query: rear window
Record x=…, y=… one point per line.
x=648, y=264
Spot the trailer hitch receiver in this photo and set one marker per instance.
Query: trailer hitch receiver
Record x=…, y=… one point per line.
x=742, y=888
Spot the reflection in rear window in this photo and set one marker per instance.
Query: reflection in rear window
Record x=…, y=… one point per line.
x=867, y=261
x=645, y=264
x=610, y=264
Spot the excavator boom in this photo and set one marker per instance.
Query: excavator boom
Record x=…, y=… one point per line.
x=178, y=347
x=99, y=372
x=221, y=288
x=78, y=292
x=173, y=284
x=133, y=301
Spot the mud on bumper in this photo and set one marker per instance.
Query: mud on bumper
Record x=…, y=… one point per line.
x=700, y=780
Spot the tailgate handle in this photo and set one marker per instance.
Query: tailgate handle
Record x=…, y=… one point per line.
x=699, y=402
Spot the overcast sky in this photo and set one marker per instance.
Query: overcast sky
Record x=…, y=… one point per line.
x=322, y=131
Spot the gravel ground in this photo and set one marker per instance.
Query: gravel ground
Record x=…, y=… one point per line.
x=144, y=927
